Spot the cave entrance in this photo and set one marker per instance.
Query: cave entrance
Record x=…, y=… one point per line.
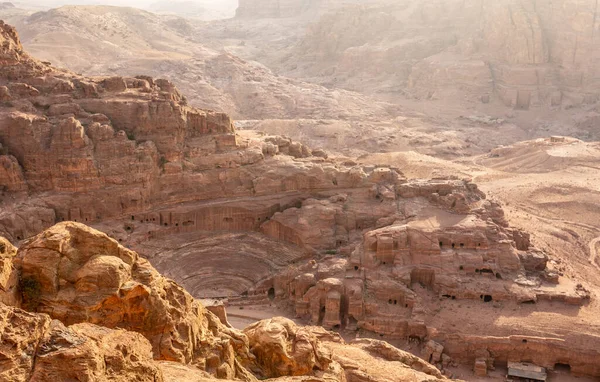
x=321, y=315
x=487, y=298
x=563, y=368
x=271, y=294
x=523, y=100
x=352, y=323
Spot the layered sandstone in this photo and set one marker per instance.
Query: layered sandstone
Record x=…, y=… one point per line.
x=130, y=151
x=108, y=315
x=128, y=155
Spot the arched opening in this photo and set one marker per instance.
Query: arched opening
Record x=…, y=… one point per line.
x=487, y=298
x=441, y=244
x=132, y=217
x=524, y=341
x=390, y=301
x=356, y=267
x=395, y=302
x=18, y=237
x=271, y=293
x=461, y=267
x=176, y=224
x=498, y=276
x=563, y=368
x=166, y=224
x=462, y=245
x=453, y=245
x=336, y=327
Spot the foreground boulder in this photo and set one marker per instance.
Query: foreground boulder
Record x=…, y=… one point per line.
x=33, y=347
x=76, y=274
x=282, y=348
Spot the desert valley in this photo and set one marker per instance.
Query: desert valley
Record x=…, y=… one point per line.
x=300, y=190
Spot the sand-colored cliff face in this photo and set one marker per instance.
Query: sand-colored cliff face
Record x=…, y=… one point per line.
x=527, y=54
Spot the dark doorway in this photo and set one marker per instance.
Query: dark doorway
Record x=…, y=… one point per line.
x=487, y=298
x=271, y=294
x=321, y=315
x=563, y=368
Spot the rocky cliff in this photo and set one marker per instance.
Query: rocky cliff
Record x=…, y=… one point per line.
x=508, y=50
x=253, y=218
x=96, y=310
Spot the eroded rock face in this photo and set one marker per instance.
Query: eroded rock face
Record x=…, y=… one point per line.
x=8, y=275
x=284, y=349
x=77, y=274
x=95, y=353
x=36, y=348
x=14, y=61
x=112, y=317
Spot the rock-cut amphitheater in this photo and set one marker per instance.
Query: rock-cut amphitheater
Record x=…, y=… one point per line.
x=109, y=183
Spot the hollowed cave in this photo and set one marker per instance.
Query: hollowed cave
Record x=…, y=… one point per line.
x=562, y=367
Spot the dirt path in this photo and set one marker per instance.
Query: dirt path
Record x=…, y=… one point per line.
x=594, y=251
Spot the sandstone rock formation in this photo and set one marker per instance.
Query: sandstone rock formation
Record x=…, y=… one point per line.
x=110, y=316
x=280, y=346
x=8, y=278
x=174, y=48
x=79, y=275
x=346, y=245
